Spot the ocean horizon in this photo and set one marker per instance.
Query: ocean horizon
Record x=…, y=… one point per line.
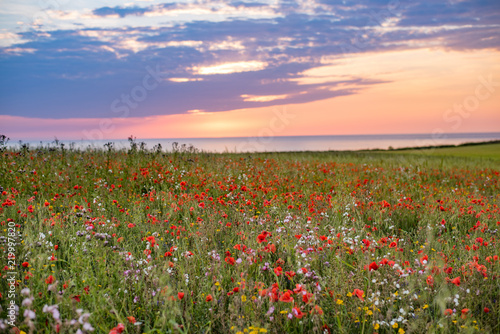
x=281, y=143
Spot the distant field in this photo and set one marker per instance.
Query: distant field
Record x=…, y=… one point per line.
x=487, y=151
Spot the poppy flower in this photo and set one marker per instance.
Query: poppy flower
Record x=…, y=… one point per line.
x=373, y=266
x=430, y=280
x=306, y=298
x=456, y=281
x=131, y=319
x=25, y=264
x=50, y=279
x=180, y=295
x=209, y=298
x=278, y=271
x=317, y=310
x=297, y=313
x=76, y=297
x=230, y=260
x=261, y=238
x=298, y=288
x=448, y=311
x=286, y=297
x=118, y=329
x=358, y=293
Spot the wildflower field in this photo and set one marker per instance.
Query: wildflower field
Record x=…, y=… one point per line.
x=148, y=241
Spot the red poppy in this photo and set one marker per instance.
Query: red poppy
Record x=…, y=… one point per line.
x=297, y=313
x=430, y=280
x=286, y=297
x=50, y=279
x=209, y=298
x=448, y=311
x=118, y=329
x=261, y=238
x=131, y=319
x=230, y=260
x=180, y=295
x=76, y=297
x=306, y=298
x=456, y=281
x=373, y=266
x=358, y=293
x=298, y=288
x=278, y=271
x=317, y=310
x=25, y=264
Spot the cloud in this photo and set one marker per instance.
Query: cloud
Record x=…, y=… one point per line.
x=232, y=67
x=219, y=8
x=219, y=55
x=120, y=11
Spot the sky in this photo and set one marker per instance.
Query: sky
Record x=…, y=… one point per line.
x=88, y=70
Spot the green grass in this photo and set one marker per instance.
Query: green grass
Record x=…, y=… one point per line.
x=481, y=151
x=487, y=151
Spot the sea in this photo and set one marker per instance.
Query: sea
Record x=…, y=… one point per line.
x=283, y=143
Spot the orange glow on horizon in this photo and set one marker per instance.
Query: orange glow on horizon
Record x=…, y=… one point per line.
x=420, y=93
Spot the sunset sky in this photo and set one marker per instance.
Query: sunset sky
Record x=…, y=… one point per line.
x=190, y=69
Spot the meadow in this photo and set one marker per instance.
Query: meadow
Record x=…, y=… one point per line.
x=150, y=241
